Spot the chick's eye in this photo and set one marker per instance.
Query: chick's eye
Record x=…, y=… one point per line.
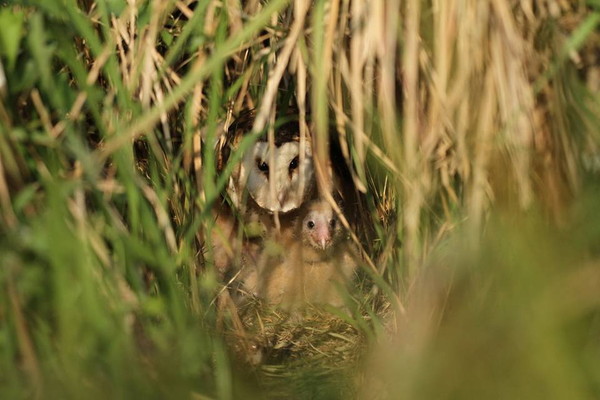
x=310, y=224
x=262, y=166
x=294, y=164
x=332, y=223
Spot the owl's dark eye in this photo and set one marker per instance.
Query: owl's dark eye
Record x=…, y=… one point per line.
x=310, y=224
x=332, y=223
x=262, y=166
x=294, y=164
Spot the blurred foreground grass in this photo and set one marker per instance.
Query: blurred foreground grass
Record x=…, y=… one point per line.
x=471, y=128
x=518, y=317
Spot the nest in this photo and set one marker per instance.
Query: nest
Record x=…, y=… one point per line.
x=296, y=352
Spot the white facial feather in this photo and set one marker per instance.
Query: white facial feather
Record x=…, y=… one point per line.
x=280, y=185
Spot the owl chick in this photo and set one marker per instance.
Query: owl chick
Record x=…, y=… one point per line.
x=313, y=264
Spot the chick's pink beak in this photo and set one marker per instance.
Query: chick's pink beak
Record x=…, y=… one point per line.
x=322, y=237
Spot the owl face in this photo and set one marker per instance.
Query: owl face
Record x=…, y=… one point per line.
x=281, y=185
x=277, y=178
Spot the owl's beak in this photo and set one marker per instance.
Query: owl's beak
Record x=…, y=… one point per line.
x=282, y=198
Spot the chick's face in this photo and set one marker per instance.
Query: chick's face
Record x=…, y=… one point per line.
x=320, y=228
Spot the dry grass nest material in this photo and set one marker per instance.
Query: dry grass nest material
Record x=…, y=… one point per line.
x=277, y=341
x=290, y=349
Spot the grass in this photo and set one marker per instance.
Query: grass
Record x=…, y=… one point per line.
x=470, y=130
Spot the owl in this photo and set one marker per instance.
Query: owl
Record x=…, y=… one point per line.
x=275, y=178
x=266, y=180
x=310, y=262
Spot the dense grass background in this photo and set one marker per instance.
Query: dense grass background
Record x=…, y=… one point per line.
x=471, y=128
